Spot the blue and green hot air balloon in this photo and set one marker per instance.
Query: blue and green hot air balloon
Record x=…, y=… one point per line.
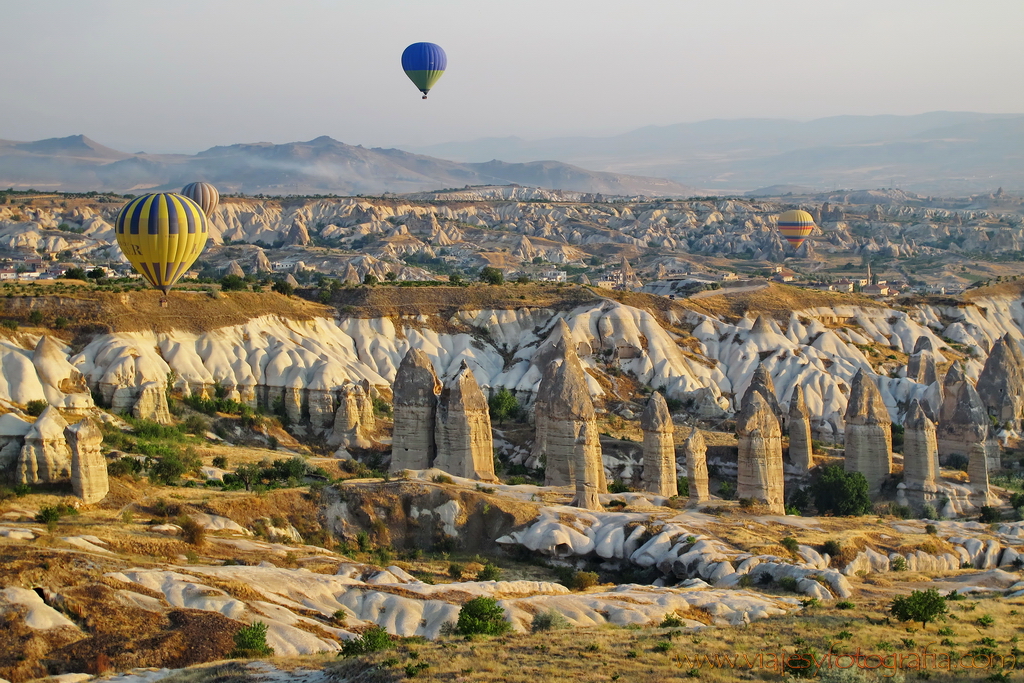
x=424, y=63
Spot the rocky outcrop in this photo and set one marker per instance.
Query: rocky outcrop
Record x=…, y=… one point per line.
x=1001, y=382
x=920, y=457
x=761, y=382
x=572, y=431
x=349, y=429
x=659, y=474
x=152, y=404
x=558, y=470
x=415, y=406
x=696, y=452
x=800, y=448
x=465, y=447
x=967, y=434
x=945, y=435
x=62, y=383
x=45, y=456
x=868, y=433
x=921, y=364
x=12, y=436
x=88, y=466
x=760, y=475
x=234, y=269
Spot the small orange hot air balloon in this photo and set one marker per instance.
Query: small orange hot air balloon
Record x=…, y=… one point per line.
x=795, y=225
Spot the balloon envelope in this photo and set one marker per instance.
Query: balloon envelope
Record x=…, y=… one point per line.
x=203, y=194
x=161, y=235
x=795, y=226
x=424, y=63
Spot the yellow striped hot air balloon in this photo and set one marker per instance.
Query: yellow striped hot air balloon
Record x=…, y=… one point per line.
x=795, y=225
x=161, y=235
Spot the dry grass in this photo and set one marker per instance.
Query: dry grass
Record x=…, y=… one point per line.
x=778, y=301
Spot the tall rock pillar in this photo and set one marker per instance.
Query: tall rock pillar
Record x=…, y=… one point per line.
x=696, y=468
x=760, y=475
x=465, y=446
x=659, y=448
x=415, y=405
x=88, y=466
x=920, y=457
x=800, y=448
x=945, y=434
x=1001, y=382
x=868, y=433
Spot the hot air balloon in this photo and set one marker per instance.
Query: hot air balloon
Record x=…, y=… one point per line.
x=795, y=226
x=203, y=194
x=161, y=235
x=424, y=63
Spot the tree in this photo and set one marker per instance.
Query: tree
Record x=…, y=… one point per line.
x=233, y=283
x=75, y=274
x=455, y=279
x=840, y=492
x=482, y=615
x=370, y=279
x=97, y=273
x=249, y=474
x=251, y=641
x=923, y=606
x=503, y=405
x=492, y=276
x=283, y=287
x=390, y=276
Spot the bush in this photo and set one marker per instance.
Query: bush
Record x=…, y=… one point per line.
x=617, y=487
x=251, y=641
x=192, y=532
x=923, y=606
x=989, y=515
x=36, y=407
x=928, y=511
x=35, y=317
x=839, y=492
x=442, y=479
x=282, y=287
x=788, y=583
x=482, y=616
x=492, y=276
x=683, y=487
x=220, y=462
x=503, y=405
x=490, y=572
x=233, y=283
x=845, y=604
x=548, y=621
x=75, y=274
x=582, y=580
x=456, y=570
x=671, y=620
x=790, y=544
x=898, y=564
x=833, y=547
x=374, y=639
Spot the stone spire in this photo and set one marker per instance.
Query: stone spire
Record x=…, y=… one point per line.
x=465, y=447
x=1001, y=382
x=946, y=436
x=234, y=269
x=760, y=474
x=921, y=364
x=697, y=467
x=88, y=466
x=45, y=456
x=920, y=457
x=868, y=433
x=800, y=449
x=659, y=448
x=349, y=430
x=415, y=404
x=762, y=383
x=572, y=431
x=558, y=471
x=968, y=435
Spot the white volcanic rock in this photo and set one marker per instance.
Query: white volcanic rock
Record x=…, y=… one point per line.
x=868, y=433
x=88, y=466
x=463, y=429
x=415, y=405
x=45, y=456
x=760, y=471
x=659, y=473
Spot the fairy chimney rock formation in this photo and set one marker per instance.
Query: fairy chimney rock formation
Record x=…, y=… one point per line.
x=800, y=448
x=152, y=404
x=350, y=429
x=921, y=364
x=659, y=474
x=234, y=269
x=944, y=431
x=762, y=383
x=968, y=436
x=920, y=457
x=1001, y=382
x=88, y=466
x=465, y=446
x=760, y=474
x=558, y=471
x=45, y=456
x=696, y=452
x=572, y=431
x=868, y=433
x=415, y=406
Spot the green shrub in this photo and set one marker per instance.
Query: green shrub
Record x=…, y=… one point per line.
x=989, y=514
x=663, y=646
x=456, y=570
x=503, y=405
x=124, y=467
x=490, y=572
x=788, y=583
x=898, y=564
x=36, y=407
x=548, y=621
x=986, y=620
x=790, y=544
x=192, y=532
x=482, y=615
x=251, y=641
x=363, y=542
x=838, y=492
x=923, y=606
x=928, y=511
x=617, y=486
x=832, y=547
x=845, y=604
x=683, y=486
x=671, y=620
x=582, y=580
x=442, y=479
x=233, y=283
x=374, y=639
x=220, y=462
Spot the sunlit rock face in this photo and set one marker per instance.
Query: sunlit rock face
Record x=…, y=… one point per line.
x=868, y=433
x=760, y=475
x=415, y=407
x=800, y=448
x=659, y=474
x=463, y=433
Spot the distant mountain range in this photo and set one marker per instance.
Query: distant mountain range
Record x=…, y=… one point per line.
x=937, y=152
x=320, y=166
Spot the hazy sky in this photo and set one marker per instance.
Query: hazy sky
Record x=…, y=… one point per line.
x=186, y=75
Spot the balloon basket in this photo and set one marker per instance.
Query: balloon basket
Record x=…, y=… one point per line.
x=163, y=302
x=424, y=97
